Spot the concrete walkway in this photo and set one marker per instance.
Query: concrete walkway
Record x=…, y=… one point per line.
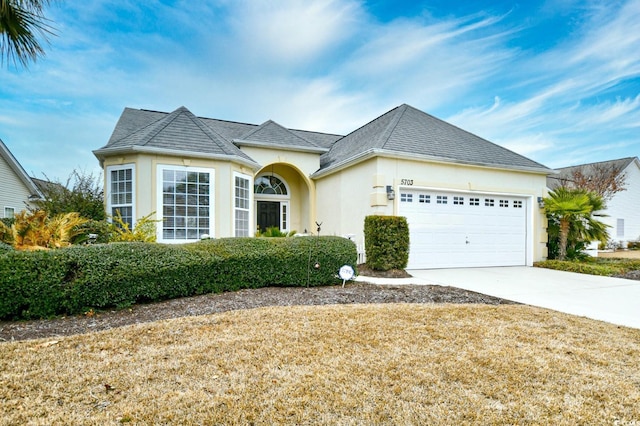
x=614, y=300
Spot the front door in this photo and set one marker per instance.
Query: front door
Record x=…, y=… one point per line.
x=268, y=215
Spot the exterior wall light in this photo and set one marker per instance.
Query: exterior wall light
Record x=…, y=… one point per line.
x=541, y=202
x=391, y=194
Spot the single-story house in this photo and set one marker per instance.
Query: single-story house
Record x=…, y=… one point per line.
x=468, y=202
x=623, y=209
x=17, y=189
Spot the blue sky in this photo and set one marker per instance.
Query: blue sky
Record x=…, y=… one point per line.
x=557, y=81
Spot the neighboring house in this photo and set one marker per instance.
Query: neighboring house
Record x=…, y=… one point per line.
x=623, y=210
x=17, y=190
x=468, y=201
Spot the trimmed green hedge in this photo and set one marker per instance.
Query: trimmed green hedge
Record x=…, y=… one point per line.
x=593, y=266
x=73, y=280
x=386, y=242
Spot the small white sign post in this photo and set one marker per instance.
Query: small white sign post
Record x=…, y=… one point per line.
x=346, y=273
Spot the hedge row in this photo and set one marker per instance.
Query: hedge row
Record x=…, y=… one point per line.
x=73, y=280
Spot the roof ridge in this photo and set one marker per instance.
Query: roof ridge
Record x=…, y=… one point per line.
x=630, y=159
x=152, y=129
x=400, y=111
x=279, y=126
x=170, y=118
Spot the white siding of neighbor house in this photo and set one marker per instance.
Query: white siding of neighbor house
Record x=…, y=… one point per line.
x=625, y=205
x=13, y=192
x=347, y=196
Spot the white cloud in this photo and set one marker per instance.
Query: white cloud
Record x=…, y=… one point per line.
x=327, y=65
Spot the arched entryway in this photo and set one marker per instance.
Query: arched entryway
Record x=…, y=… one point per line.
x=272, y=197
x=281, y=199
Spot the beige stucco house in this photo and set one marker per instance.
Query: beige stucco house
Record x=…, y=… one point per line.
x=17, y=190
x=468, y=201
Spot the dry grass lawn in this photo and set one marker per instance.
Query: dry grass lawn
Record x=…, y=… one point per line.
x=342, y=364
x=623, y=254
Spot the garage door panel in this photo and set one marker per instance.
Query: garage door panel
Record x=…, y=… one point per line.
x=464, y=230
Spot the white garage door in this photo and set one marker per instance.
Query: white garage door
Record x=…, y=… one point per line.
x=453, y=230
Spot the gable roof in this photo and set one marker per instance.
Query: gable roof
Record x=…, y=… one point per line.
x=273, y=134
x=19, y=171
x=409, y=132
x=587, y=169
x=179, y=131
x=402, y=132
x=139, y=130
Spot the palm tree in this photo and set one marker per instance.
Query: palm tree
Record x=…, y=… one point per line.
x=21, y=21
x=573, y=210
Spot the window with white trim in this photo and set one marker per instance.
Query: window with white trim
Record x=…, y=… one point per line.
x=121, y=192
x=9, y=212
x=284, y=216
x=242, y=201
x=488, y=202
x=441, y=199
x=504, y=203
x=185, y=202
x=517, y=204
x=474, y=201
x=458, y=201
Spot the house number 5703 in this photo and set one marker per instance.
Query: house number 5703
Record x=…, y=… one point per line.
x=406, y=181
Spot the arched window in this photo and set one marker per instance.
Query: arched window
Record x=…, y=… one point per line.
x=270, y=185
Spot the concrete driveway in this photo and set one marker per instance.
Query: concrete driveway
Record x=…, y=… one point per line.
x=614, y=300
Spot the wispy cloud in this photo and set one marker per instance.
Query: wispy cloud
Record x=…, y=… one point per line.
x=330, y=65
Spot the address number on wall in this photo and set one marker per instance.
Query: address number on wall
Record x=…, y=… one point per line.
x=406, y=181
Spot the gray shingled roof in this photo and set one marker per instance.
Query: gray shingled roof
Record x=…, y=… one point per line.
x=177, y=131
x=408, y=131
x=273, y=134
x=183, y=131
x=564, y=173
x=402, y=131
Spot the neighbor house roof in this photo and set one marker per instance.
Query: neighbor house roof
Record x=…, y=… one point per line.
x=19, y=171
x=408, y=132
x=565, y=173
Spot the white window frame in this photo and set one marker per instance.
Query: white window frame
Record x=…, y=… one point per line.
x=248, y=210
x=284, y=200
x=10, y=215
x=110, y=205
x=285, y=216
x=160, y=200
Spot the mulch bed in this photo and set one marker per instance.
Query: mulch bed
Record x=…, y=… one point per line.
x=352, y=293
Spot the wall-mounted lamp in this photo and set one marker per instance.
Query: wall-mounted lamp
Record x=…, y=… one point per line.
x=391, y=194
x=541, y=202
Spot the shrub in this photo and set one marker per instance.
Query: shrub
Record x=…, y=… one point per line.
x=262, y=262
x=633, y=245
x=274, y=231
x=101, y=229
x=35, y=230
x=143, y=231
x=593, y=266
x=75, y=279
x=386, y=242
